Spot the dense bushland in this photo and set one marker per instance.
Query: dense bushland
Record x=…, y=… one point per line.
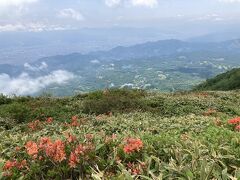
x=24, y=109
x=121, y=134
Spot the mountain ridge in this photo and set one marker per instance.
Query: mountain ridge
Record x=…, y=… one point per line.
x=229, y=80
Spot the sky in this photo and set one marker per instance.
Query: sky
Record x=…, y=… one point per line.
x=50, y=15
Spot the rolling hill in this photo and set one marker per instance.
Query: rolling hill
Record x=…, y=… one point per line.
x=227, y=81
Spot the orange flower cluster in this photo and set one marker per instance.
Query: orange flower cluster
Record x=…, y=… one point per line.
x=56, y=150
x=49, y=120
x=237, y=128
x=70, y=138
x=235, y=121
x=136, y=169
x=11, y=164
x=79, y=150
x=32, y=148
x=74, y=121
x=37, y=124
x=73, y=160
x=132, y=145
x=34, y=125
x=202, y=94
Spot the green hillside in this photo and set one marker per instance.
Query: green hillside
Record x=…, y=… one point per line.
x=121, y=134
x=226, y=81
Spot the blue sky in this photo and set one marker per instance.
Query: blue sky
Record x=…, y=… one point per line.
x=40, y=15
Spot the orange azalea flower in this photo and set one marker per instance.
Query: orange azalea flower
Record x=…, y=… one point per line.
x=80, y=149
x=44, y=142
x=202, y=94
x=17, y=148
x=56, y=150
x=71, y=138
x=237, y=128
x=73, y=160
x=40, y=158
x=9, y=165
x=136, y=171
x=134, y=168
x=83, y=149
x=74, y=118
x=32, y=148
x=114, y=136
x=34, y=125
x=7, y=174
x=75, y=121
x=132, y=145
x=22, y=164
x=49, y=120
x=234, y=121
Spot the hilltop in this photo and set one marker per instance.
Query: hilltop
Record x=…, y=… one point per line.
x=225, y=81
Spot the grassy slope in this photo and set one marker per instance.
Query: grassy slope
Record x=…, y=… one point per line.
x=185, y=135
x=226, y=81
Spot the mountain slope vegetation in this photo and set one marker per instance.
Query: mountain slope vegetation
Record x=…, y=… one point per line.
x=226, y=81
x=121, y=134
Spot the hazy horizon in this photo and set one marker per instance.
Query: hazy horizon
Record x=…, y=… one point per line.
x=43, y=15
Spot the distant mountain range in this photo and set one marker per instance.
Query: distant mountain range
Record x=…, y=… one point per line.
x=16, y=47
x=166, y=65
x=229, y=50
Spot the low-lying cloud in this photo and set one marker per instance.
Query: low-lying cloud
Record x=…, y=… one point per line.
x=26, y=85
x=32, y=27
x=42, y=66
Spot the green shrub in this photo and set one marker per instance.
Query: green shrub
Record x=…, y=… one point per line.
x=4, y=99
x=16, y=111
x=114, y=100
x=7, y=123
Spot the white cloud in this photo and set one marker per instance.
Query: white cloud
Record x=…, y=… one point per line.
x=26, y=85
x=145, y=3
x=95, y=61
x=70, y=13
x=6, y=3
x=36, y=68
x=229, y=1
x=31, y=27
x=112, y=3
x=208, y=17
